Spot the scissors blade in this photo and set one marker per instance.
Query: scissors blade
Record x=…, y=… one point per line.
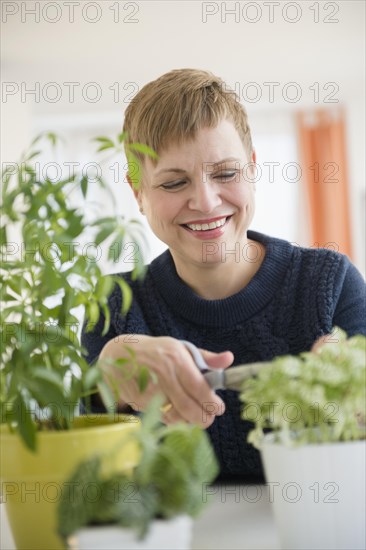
x=233, y=377
x=225, y=379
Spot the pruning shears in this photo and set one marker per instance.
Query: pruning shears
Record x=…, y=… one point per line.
x=224, y=379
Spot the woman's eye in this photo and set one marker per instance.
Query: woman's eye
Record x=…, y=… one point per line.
x=173, y=185
x=227, y=175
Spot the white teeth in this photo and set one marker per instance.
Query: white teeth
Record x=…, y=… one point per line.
x=206, y=226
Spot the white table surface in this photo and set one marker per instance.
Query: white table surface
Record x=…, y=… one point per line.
x=239, y=517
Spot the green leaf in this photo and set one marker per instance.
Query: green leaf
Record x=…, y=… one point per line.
x=106, y=143
x=84, y=185
x=25, y=424
x=107, y=319
x=93, y=312
x=170, y=476
x=51, y=395
x=144, y=149
x=36, y=139
x=105, y=286
x=74, y=510
x=49, y=375
x=102, y=221
x=107, y=396
x=115, y=250
x=104, y=147
x=143, y=378
x=103, y=234
x=32, y=155
x=152, y=415
x=126, y=294
x=134, y=169
x=15, y=286
x=52, y=137
x=122, y=137
x=92, y=377
x=136, y=507
x=104, y=140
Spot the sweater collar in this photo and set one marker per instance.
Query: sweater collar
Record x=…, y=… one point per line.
x=236, y=308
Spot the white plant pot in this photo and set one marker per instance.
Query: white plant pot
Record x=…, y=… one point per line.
x=173, y=534
x=318, y=493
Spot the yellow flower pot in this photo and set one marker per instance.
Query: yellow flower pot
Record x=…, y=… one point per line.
x=31, y=483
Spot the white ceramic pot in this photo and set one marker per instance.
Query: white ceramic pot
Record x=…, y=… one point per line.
x=173, y=534
x=318, y=493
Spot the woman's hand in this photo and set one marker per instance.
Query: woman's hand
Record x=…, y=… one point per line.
x=326, y=339
x=176, y=376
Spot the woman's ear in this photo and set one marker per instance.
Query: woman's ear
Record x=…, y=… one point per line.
x=252, y=168
x=136, y=192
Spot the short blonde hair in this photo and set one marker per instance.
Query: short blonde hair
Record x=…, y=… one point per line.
x=176, y=105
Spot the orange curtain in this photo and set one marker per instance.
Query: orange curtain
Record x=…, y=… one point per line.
x=324, y=168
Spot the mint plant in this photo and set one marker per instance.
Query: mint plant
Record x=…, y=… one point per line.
x=314, y=397
x=175, y=464
x=44, y=281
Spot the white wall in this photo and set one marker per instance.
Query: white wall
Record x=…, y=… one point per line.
x=152, y=37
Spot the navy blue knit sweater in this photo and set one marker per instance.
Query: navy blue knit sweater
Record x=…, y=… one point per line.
x=297, y=295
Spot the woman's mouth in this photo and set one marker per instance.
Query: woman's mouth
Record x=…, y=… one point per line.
x=208, y=230
x=206, y=226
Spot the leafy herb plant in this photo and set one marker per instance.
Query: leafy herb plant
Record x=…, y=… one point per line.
x=175, y=463
x=314, y=397
x=44, y=280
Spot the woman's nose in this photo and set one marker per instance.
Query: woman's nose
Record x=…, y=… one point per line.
x=205, y=197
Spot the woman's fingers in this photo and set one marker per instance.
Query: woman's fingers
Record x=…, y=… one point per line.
x=217, y=360
x=172, y=417
x=320, y=342
x=206, y=403
x=183, y=383
x=174, y=374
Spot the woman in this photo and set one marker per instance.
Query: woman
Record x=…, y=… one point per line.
x=238, y=295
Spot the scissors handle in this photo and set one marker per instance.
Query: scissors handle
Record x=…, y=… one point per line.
x=214, y=377
x=197, y=356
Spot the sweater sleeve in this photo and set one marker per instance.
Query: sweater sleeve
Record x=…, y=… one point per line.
x=350, y=311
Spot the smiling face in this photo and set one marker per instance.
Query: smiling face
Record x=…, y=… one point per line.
x=198, y=198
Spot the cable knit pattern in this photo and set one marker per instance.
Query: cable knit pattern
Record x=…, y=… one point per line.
x=297, y=295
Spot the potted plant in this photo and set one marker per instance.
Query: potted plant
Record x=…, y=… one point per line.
x=148, y=507
x=45, y=279
x=313, y=406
